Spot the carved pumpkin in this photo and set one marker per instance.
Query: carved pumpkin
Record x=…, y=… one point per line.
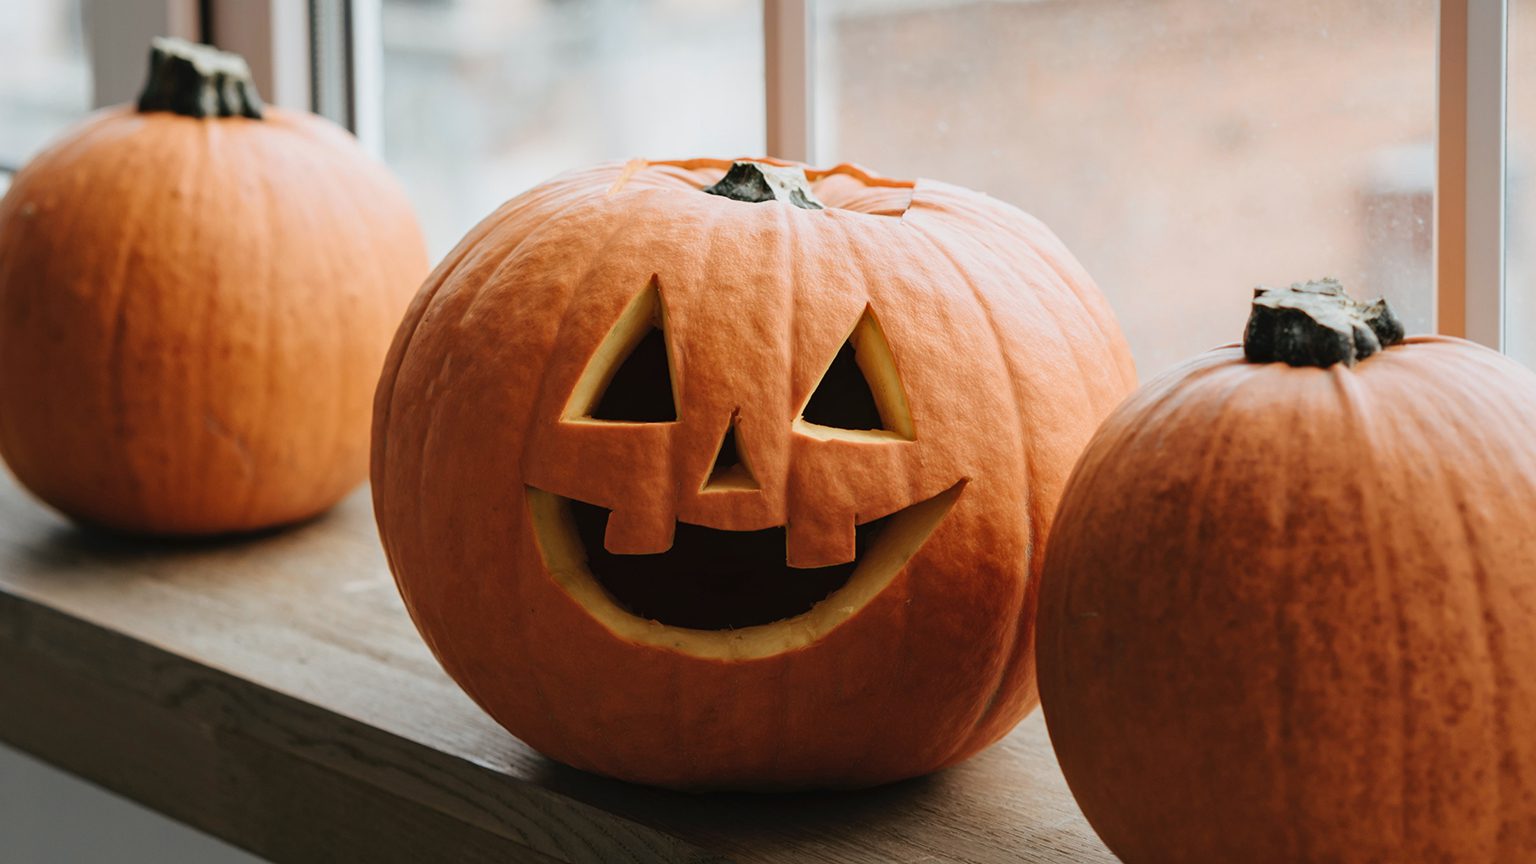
x=195, y=297
x=740, y=489
x=1289, y=608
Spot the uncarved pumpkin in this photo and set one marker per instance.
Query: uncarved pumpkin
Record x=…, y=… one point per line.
x=195, y=297
x=741, y=489
x=1289, y=611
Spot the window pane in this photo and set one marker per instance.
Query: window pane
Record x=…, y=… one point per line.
x=1185, y=150
x=44, y=81
x=485, y=98
x=1520, y=188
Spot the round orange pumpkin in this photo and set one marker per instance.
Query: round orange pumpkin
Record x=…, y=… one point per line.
x=195, y=297
x=1289, y=611
x=741, y=489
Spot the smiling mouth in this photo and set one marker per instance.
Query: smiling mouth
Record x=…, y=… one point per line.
x=713, y=580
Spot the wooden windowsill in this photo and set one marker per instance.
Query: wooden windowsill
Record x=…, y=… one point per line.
x=272, y=692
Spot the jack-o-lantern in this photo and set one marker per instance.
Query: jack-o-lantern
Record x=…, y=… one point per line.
x=743, y=489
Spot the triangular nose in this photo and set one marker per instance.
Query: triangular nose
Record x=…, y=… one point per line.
x=730, y=471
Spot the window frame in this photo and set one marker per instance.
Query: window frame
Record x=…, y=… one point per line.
x=1471, y=171
x=284, y=39
x=789, y=77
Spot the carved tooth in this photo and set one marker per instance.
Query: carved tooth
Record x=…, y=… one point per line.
x=820, y=543
x=639, y=531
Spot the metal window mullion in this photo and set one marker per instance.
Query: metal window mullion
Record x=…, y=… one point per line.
x=365, y=58
x=273, y=37
x=348, y=61
x=330, y=60
x=1470, y=170
x=788, y=58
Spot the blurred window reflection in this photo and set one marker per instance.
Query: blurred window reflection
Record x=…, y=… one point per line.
x=44, y=81
x=1185, y=150
x=485, y=98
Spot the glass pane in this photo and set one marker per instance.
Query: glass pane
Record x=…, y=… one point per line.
x=1184, y=150
x=1520, y=186
x=485, y=98
x=45, y=84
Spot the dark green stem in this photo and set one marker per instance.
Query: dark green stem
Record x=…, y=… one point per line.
x=756, y=182
x=1317, y=324
x=198, y=81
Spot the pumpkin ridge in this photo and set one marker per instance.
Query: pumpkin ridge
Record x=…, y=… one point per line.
x=116, y=399
x=1164, y=393
x=1491, y=639
x=446, y=272
x=263, y=238
x=579, y=284
x=269, y=216
x=1127, y=363
x=1356, y=405
x=682, y=478
x=793, y=360
x=204, y=155
x=1405, y=715
x=508, y=261
x=1030, y=245
x=1007, y=661
x=1287, y=646
x=61, y=156
x=1218, y=426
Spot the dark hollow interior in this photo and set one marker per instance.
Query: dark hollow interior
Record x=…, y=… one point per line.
x=728, y=457
x=712, y=579
x=641, y=388
x=843, y=399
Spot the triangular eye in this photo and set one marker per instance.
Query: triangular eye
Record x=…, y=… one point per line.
x=629, y=378
x=860, y=390
x=731, y=470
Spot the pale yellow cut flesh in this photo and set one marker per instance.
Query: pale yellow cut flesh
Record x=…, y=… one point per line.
x=638, y=318
x=873, y=354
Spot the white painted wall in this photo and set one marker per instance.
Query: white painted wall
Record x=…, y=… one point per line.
x=50, y=817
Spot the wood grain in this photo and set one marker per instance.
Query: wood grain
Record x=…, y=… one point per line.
x=272, y=691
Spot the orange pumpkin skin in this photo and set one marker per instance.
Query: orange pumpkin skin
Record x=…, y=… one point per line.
x=1009, y=358
x=1289, y=614
x=192, y=313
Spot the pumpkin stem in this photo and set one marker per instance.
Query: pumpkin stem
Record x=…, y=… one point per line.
x=198, y=81
x=755, y=182
x=1317, y=324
